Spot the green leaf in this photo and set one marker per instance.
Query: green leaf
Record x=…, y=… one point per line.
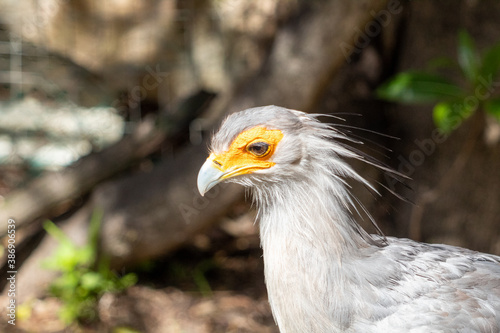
x=83, y=280
x=69, y=312
x=92, y=281
x=128, y=280
x=55, y=232
x=449, y=115
x=468, y=58
x=493, y=107
x=418, y=87
x=491, y=61
x=94, y=228
x=442, y=114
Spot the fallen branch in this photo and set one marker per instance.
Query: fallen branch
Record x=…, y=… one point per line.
x=43, y=194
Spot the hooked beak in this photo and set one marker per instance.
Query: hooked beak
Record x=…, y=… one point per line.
x=213, y=172
x=209, y=176
x=228, y=165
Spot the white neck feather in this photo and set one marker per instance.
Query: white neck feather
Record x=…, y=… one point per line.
x=309, y=237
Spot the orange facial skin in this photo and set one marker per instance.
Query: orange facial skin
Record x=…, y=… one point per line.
x=240, y=160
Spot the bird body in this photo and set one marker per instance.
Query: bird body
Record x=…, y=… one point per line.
x=323, y=272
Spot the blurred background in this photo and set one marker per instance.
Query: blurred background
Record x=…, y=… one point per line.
x=106, y=108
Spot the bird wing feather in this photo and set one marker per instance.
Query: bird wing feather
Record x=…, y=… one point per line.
x=428, y=288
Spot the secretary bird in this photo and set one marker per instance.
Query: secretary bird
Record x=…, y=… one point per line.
x=323, y=272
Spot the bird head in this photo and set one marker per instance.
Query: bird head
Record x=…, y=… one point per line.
x=290, y=157
x=268, y=145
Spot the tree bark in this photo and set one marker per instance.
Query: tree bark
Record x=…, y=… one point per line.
x=148, y=214
x=305, y=55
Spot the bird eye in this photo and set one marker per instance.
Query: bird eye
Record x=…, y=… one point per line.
x=258, y=148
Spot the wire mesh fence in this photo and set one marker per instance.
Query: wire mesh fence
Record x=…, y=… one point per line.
x=42, y=124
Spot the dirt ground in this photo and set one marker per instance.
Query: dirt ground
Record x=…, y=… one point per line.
x=214, y=284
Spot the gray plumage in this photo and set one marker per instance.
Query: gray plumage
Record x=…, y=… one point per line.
x=323, y=272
